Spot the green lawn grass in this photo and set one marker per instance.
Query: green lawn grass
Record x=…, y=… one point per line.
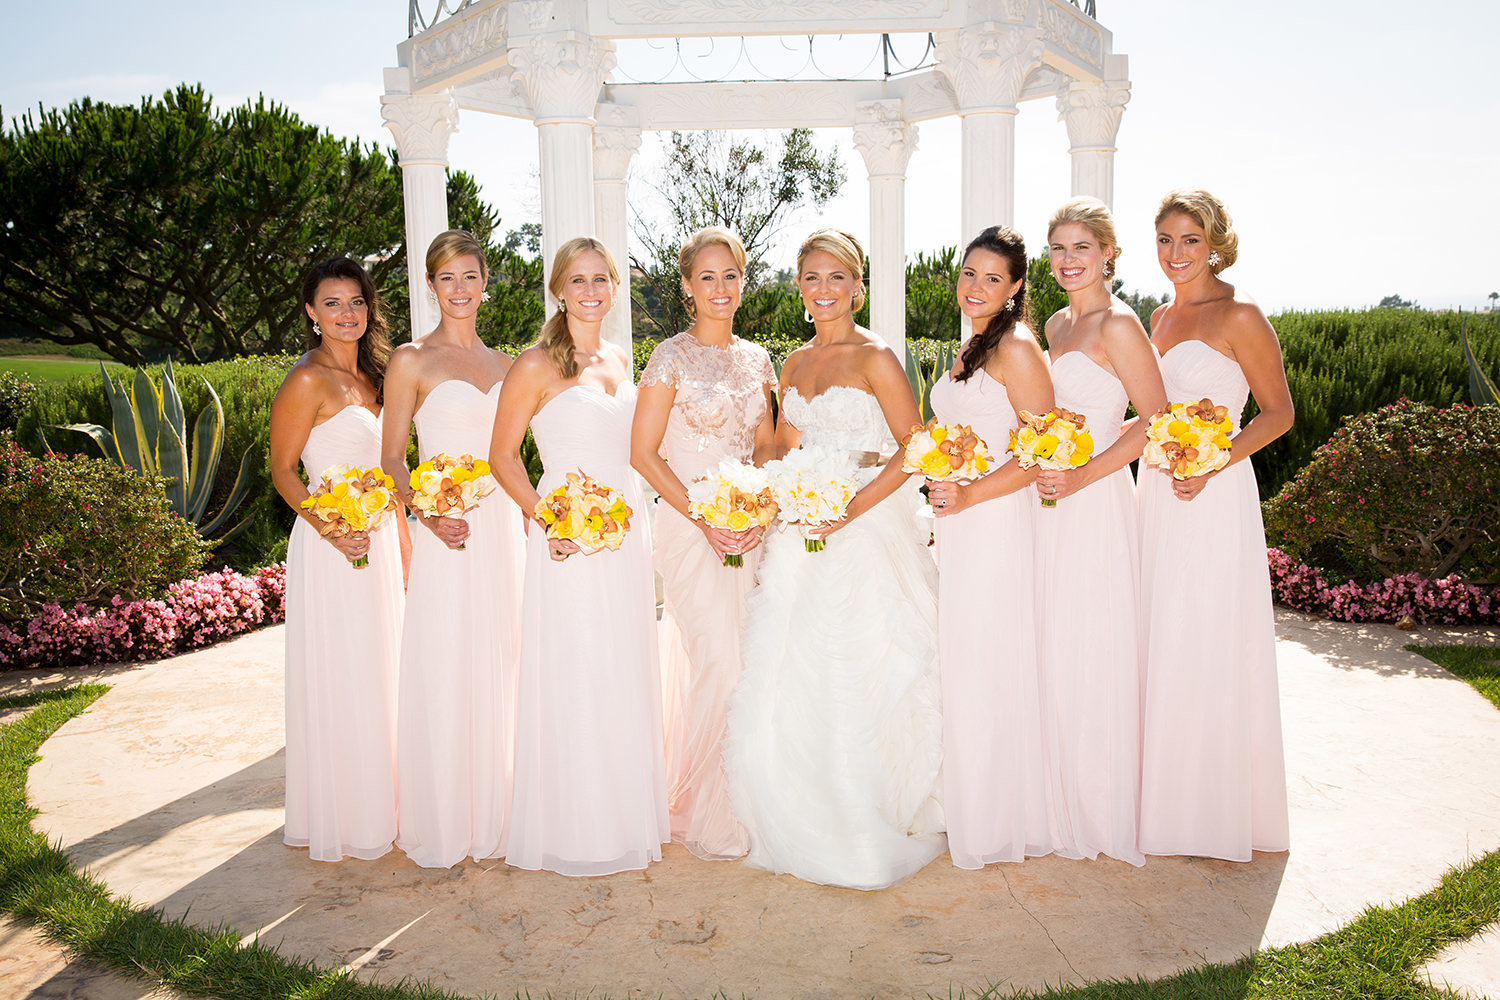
x=1374, y=956
x=56, y=368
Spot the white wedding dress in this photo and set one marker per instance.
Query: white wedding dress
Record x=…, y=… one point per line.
x=834, y=742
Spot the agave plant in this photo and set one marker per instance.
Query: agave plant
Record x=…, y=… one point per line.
x=150, y=436
x=921, y=375
x=1481, y=387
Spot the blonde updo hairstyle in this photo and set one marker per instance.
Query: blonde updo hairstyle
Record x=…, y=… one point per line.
x=556, y=342
x=1208, y=211
x=701, y=240
x=1095, y=216
x=843, y=248
x=455, y=243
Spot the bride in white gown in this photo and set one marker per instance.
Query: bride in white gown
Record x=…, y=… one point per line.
x=834, y=740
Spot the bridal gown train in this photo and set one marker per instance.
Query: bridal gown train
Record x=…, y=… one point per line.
x=455, y=725
x=834, y=743
x=1088, y=579
x=1213, y=782
x=590, y=792
x=343, y=641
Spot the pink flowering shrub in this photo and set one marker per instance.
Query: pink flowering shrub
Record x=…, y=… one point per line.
x=194, y=613
x=1447, y=601
x=1409, y=490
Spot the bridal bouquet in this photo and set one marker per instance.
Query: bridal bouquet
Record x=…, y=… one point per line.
x=947, y=452
x=1056, y=439
x=347, y=500
x=737, y=496
x=586, y=513
x=1189, y=439
x=812, y=486
x=444, y=486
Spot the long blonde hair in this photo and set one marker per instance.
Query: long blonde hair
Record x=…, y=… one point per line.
x=555, y=341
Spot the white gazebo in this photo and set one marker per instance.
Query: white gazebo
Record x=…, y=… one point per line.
x=552, y=61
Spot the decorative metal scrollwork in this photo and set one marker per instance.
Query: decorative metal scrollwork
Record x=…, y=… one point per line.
x=773, y=57
x=417, y=21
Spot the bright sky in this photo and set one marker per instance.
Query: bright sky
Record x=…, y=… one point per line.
x=1353, y=143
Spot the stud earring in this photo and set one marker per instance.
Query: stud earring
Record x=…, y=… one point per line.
x=317, y=330
x=432, y=298
x=1214, y=258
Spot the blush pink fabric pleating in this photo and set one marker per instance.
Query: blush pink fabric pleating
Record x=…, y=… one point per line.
x=590, y=787
x=1213, y=782
x=1088, y=575
x=460, y=655
x=343, y=637
x=994, y=773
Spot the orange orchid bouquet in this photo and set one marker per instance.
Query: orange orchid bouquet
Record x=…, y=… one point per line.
x=1057, y=439
x=1189, y=439
x=946, y=452
x=735, y=495
x=587, y=513
x=347, y=500
x=444, y=486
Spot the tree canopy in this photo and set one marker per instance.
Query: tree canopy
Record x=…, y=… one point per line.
x=172, y=228
x=745, y=185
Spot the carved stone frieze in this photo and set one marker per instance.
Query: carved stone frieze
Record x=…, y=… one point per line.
x=1092, y=112
x=561, y=73
x=986, y=64
x=883, y=137
x=421, y=124
x=463, y=41
x=1072, y=33
x=665, y=11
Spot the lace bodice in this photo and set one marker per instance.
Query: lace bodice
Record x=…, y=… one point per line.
x=719, y=403
x=1192, y=372
x=840, y=417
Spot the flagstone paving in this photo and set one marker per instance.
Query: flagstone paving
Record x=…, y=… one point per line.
x=170, y=789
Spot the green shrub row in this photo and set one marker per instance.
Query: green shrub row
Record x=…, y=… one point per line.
x=1342, y=363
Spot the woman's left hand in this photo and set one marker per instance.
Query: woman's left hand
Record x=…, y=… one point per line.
x=822, y=531
x=1186, y=489
x=1054, y=484
x=560, y=548
x=948, y=498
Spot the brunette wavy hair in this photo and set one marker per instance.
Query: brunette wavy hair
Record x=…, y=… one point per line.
x=1006, y=243
x=375, y=345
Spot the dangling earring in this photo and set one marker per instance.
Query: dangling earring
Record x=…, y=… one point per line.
x=806, y=316
x=1109, y=269
x=562, y=307
x=1214, y=258
x=317, y=330
x=1010, y=304
x=432, y=298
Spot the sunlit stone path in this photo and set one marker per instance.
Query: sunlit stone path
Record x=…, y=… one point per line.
x=170, y=790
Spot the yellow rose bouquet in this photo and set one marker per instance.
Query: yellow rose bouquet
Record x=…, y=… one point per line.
x=1189, y=439
x=1057, y=439
x=946, y=452
x=736, y=495
x=586, y=513
x=812, y=486
x=444, y=486
x=347, y=500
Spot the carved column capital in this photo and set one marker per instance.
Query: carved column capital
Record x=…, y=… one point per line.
x=883, y=137
x=1092, y=112
x=561, y=73
x=617, y=138
x=987, y=63
x=421, y=124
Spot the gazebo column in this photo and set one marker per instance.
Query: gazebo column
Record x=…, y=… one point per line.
x=987, y=64
x=886, y=142
x=1092, y=112
x=616, y=141
x=561, y=73
x=421, y=124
